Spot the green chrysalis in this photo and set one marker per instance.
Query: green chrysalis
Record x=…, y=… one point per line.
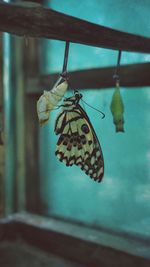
x=117, y=109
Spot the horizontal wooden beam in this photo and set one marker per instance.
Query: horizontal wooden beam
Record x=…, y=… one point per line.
x=104, y=246
x=134, y=75
x=36, y=21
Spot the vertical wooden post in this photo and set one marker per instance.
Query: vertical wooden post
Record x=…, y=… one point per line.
x=1, y=144
x=9, y=126
x=31, y=69
x=20, y=125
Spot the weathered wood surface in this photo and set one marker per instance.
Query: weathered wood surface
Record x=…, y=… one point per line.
x=36, y=21
x=32, y=179
x=18, y=45
x=134, y=75
x=1, y=141
x=104, y=248
x=33, y=203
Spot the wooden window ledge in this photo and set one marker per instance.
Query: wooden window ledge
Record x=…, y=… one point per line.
x=77, y=243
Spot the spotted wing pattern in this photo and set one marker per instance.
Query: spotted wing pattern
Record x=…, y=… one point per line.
x=78, y=143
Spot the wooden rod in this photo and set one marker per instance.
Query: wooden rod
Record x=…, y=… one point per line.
x=134, y=75
x=36, y=21
x=9, y=129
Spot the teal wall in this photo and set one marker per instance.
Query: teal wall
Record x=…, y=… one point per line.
x=122, y=200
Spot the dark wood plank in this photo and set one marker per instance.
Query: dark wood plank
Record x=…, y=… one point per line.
x=34, y=1
x=37, y=21
x=75, y=242
x=18, y=81
x=19, y=254
x=8, y=230
x=32, y=156
x=32, y=182
x=134, y=75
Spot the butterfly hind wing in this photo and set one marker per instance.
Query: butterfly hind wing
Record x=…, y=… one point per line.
x=70, y=146
x=94, y=163
x=78, y=143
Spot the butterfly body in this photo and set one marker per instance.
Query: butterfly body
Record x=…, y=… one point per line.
x=78, y=143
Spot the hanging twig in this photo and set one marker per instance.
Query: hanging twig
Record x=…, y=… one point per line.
x=116, y=73
x=64, y=69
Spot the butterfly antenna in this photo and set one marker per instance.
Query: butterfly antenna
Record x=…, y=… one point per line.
x=103, y=115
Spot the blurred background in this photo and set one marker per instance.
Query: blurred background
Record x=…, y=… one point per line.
x=31, y=177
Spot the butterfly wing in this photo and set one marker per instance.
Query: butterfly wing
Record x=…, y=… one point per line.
x=78, y=143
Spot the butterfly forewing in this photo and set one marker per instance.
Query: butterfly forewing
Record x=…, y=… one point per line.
x=78, y=143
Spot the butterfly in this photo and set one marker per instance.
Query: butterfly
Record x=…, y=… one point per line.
x=78, y=143
x=49, y=100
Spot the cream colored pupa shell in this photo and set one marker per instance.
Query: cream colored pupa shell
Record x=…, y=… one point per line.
x=49, y=100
